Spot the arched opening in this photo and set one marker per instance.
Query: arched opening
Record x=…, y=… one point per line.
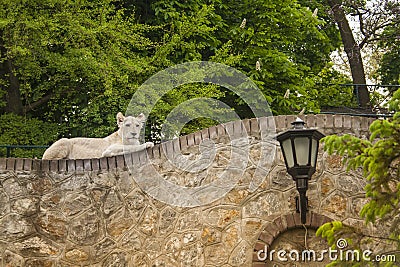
x=286, y=242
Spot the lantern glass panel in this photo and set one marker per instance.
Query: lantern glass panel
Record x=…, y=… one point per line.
x=314, y=152
x=287, y=152
x=301, y=145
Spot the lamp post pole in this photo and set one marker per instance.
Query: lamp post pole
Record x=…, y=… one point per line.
x=302, y=186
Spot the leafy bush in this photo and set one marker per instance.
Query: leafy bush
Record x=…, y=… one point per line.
x=19, y=130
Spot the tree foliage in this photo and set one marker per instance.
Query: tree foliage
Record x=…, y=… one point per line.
x=389, y=69
x=78, y=63
x=379, y=159
x=16, y=130
x=66, y=61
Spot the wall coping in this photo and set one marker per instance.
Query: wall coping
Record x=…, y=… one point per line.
x=327, y=123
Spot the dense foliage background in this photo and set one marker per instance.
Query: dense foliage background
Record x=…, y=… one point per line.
x=379, y=159
x=67, y=67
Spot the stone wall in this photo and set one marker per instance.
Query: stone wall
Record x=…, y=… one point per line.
x=211, y=198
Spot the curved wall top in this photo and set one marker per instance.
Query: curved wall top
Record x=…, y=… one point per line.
x=327, y=123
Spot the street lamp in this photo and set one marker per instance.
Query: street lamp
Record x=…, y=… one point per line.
x=300, y=149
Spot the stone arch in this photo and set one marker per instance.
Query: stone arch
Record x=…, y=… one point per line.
x=281, y=225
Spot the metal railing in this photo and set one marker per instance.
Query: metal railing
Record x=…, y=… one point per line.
x=385, y=90
x=11, y=148
x=379, y=96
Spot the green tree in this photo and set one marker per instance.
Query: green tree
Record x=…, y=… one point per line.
x=291, y=52
x=17, y=130
x=78, y=64
x=389, y=70
x=66, y=61
x=379, y=158
x=366, y=27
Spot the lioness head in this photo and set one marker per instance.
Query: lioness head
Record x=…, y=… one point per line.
x=129, y=127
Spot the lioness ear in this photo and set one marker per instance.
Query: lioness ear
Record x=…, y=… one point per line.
x=120, y=118
x=141, y=117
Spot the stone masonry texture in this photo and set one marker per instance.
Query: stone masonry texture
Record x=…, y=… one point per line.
x=110, y=211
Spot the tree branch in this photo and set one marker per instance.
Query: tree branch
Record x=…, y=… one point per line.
x=32, y=106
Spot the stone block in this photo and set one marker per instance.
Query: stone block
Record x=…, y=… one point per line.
x=27, y=164
x=356, y=125
x=190, y=140
x=197, y=138
x=221, y=131
x=144, y=158
x=297, y=218
x=14, y=227
x=281, y=123
x=213, y=132
x=62, y=165
x=45, y=165
x=266, y=237
x=183, y=142
x=19, y=164
x=79, y=168
x=86, y=229
x=266, y=124
x=205, y=134
x=36, y=165
x=175, y=146
x=71, y=165
x=136, y=160
x=229, y=129
x=310, y=121
x=367, y=122
x=290, y=221
x=95, y=164
x=259, y=245
x=290, y=119
x=246, y=125
x=168, y=149
x=156, y=149
x=52, y=224
x=120, y=159
x=54, y=165
x=281, y=223
x=338, y=121
x=77, y=255
x=112, y=163
x=87, y=165
x=320, y=121
x=254, y=126
x=3, y=163
x=238, y=129
x=347, y=122
x=103, y=163
x=329, y=123
x=36, y=246
x=335, y=204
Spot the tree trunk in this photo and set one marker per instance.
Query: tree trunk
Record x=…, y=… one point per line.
x=11, y=88
x=353, y=53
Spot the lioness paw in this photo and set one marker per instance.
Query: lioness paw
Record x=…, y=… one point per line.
x=149, y=144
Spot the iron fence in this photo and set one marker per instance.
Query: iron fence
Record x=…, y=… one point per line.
x=34, y=151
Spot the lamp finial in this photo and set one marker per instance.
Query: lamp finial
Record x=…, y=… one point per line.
x=298, y=124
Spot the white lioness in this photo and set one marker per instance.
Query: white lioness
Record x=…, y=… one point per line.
x=125, y=140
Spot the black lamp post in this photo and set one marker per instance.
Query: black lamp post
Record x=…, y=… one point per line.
x=300, y=149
